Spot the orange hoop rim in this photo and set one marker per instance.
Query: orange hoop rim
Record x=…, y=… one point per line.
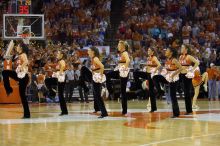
x=24, y=35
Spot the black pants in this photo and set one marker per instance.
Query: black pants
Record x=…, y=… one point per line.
x=147, y=76
x=160, y=79
x=83, y=89
x=83, y=93
x=61, y=98
x=85, y=76
x=22, y=88
x=187, y=87
x=51, y=83
x=98, y=101
x=115, y=75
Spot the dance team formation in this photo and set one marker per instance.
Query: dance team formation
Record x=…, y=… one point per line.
x=178, y=66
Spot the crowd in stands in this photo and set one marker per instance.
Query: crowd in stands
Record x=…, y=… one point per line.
x=169, y=24
x=81, y=21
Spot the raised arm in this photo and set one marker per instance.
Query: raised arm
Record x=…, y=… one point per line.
x=192, y=59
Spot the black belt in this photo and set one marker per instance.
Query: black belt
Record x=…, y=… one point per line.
x=185, y=65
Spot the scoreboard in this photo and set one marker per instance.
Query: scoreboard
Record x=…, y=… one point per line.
x=23, y=6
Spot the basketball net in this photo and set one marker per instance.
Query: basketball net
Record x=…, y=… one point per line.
x=25, y=38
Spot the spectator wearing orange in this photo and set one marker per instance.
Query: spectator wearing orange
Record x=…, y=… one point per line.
x=41, y=86
x=137, y=40
x=212, y=77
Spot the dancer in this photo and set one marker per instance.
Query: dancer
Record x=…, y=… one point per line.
x=197, y=81
x=170, y=75
x=151, y=69
x=122, y=74
x=60, y=75
x=20, y=75
x=97, y=69
x=187, y=74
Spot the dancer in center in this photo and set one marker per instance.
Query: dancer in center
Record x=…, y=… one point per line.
x=121, y=73
x=152, y=67
x=97, y=67
x=186, y=61
x=170, y=76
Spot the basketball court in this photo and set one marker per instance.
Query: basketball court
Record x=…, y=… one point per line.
x=82, y=127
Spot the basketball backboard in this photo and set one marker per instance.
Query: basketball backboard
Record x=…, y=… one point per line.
x=15, y=26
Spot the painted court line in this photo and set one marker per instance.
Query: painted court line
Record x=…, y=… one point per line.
x=208, y=117
x=180, y=138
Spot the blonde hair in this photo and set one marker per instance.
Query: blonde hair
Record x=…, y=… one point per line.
x=125, y=43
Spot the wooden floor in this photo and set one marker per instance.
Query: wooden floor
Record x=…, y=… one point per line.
x=138, y=128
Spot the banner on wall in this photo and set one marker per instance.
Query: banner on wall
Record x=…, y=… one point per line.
x=102, y=49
